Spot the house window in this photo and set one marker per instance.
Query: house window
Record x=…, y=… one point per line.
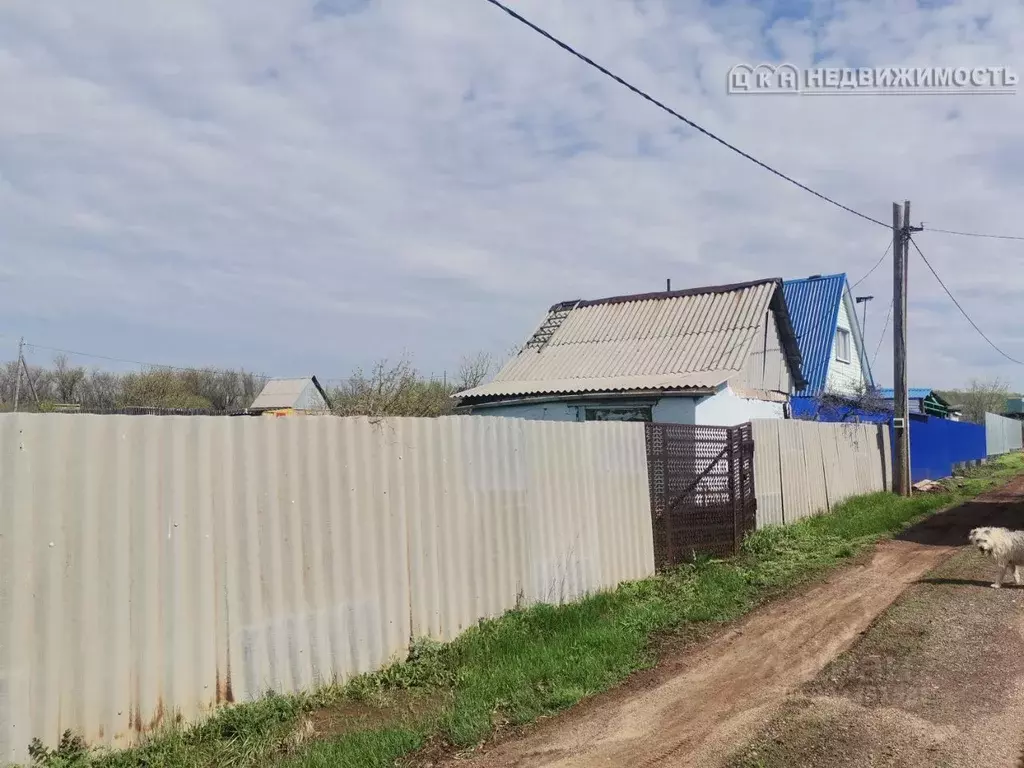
x=637, y=413
x=842, y=345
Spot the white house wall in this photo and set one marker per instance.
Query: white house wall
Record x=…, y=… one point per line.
x=551, y=411
x=666, y=410
x=675, y=410
x=727, y=409
x=846, y=377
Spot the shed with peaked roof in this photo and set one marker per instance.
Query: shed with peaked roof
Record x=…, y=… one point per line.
x=711, y=355
x=292, y=395
x=921, y=400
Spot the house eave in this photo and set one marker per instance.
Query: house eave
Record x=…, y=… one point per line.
x=554, y=397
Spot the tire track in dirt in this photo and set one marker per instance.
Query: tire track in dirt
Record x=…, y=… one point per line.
x=697, y=709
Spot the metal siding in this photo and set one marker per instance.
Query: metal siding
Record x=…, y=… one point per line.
x=688, y=341
x=153, y=566
x=806, y=468
x=815, y=479
x=813, y=310
x=767, y=472
x=1002, y=435
x=938, y=445
x=913, y=393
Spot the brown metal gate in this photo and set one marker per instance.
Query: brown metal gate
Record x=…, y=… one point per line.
x=702, y=490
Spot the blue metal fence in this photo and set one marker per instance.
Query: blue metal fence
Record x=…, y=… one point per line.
x=938, y=445
x=815, y=409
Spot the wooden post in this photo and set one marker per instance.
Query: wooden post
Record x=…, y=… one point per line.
x=901, y=405
x=17, y=382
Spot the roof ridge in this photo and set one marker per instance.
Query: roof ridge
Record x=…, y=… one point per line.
x=702, y=290
x=816, y=277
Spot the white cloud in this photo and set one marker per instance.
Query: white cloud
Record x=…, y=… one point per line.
x=298, y=186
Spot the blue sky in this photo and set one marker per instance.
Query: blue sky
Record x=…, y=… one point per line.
x=308, y=186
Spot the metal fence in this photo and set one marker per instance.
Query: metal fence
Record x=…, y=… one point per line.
x=153, y=566
x=804, y=468
x=1002, y=435
x=939, y=446
x=702, y=490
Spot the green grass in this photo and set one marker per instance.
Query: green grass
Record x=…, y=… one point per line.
x=536, y=661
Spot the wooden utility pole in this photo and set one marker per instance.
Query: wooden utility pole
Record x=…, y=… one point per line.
x=901, y=423
x=17, y=381
x=901, y=231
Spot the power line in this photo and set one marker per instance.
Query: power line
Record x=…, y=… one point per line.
x=974, y=234
x=139, y=363
x=885, y=327
x=644, y=95
x=877, y=264
x=962, y=310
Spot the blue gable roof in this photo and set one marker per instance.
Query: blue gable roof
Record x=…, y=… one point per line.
x=813, y=304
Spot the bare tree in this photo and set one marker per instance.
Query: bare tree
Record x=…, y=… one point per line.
x=982, y=397
x=846, y=407
x=474, y=371
x=101, y=390
x=67, y=379
x=391, y=389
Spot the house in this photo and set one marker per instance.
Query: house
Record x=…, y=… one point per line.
x=282, y=397
x=719, y=355
x=921, y=400
x=828, y=332
x=1014, y=408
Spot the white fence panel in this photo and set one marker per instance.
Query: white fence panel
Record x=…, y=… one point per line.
x=767, y=471
x=152, y=566
x=805, y=468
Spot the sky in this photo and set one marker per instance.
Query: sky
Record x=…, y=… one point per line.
x=311, y=186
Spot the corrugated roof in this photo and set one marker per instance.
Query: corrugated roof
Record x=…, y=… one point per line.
x=914, y=393
x=284, y=393
x=691, y=339
x=814, y=310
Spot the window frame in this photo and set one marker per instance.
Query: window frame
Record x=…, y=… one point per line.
x=647, y=410
x=844, y=333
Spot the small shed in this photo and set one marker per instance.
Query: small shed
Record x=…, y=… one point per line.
x=921, y=400
x=286, y=396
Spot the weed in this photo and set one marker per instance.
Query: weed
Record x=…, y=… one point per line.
x=71, y=752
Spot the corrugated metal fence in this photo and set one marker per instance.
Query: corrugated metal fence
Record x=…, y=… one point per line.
x=802, y=468
x=153, y=565
x=938, y=446
x=1002, y=435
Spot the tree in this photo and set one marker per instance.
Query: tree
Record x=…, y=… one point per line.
x=392, y=390
x=474, y=371
x=982, y=397
x=845, y=407
x=67, y=379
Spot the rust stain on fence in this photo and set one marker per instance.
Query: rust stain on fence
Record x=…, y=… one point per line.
x=178, y=563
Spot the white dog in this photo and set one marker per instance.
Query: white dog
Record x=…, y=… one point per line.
x=1004, y=546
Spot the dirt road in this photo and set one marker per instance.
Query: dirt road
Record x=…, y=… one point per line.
x=699, y=708
x=937, y=681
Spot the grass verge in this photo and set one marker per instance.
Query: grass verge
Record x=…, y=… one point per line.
x=528, y=663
